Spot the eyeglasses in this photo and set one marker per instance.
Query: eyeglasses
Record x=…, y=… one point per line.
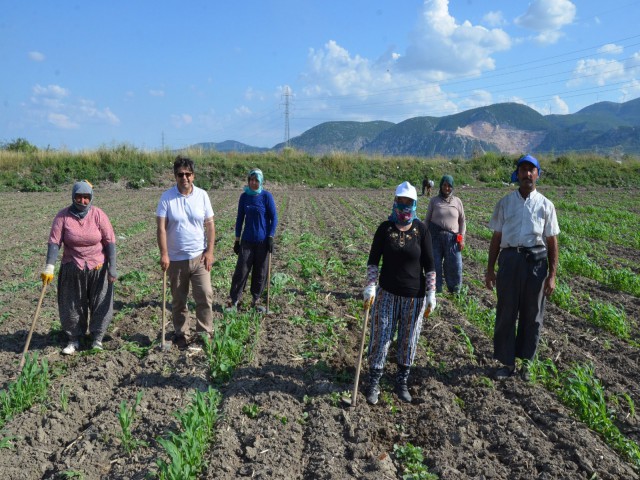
x=184, y=174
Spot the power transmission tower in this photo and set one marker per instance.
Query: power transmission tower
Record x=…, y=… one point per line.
x=286, y=95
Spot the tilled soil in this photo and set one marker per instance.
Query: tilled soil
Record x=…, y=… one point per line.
x=468, y=426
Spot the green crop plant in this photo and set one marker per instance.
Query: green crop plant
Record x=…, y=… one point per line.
x=231, y=344
x=580, y=390
x=610, y=318
x=623, y=279
x=134, y=229
x=279, y=281
x=137, y=349
x=563, y=297
x=459, y=402
x=187, y=449
x=72, y=474
x=126, y=416
x=411, y=460
x=6, y=442
x=584, y=393
x=29, y=388
x=482, y=317
x=251, y=410
x=580, y=264
x=64, y=399
x=467, y=343
x=485, y=381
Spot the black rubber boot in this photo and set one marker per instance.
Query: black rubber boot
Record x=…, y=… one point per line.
x=373, y=388
x=401, y=383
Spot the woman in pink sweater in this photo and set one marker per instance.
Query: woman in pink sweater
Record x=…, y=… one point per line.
x=88, y=268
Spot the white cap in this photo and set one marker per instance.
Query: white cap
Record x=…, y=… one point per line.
x=405, y=189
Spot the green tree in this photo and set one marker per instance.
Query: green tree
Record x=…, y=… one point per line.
x=20, y=145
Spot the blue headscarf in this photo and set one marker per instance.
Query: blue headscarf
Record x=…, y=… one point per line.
x=256, y=172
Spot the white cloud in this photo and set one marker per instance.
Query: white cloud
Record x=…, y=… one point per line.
x=181, y=120
x=61, y=120
x=559, y=106
x=399, y=85
x=156, y=93
x=88, y=110
x=36, y=56
x=440, y=47
x=53, y=91
x=251, y=94
x=611, y=49
x=598, y=71
x=631, y=90
x=243, y=111
x=54, y=104
x=547, y=17
x=555, y=106
x=494, y=19
x=478, y=98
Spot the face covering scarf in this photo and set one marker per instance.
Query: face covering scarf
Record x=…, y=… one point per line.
x=403, y=214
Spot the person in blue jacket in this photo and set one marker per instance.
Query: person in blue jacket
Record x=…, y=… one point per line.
x=255, y=228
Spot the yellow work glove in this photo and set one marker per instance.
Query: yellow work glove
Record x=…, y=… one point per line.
x=47, y=274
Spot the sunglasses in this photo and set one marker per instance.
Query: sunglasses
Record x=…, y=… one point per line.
x=184, y=174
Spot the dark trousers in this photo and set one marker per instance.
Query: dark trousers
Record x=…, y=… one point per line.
x=446, y=253
x=520, y=289
x=85, y=300
x=253, y=257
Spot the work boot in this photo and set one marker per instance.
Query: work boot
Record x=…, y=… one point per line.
x=373, y=388
x=401, y=383
x=71, y=348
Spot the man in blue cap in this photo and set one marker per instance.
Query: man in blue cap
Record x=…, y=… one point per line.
x=525, y=244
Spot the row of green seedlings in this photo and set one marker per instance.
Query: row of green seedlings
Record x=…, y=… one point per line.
x=185, y=450
x=578, y=388
x=307, y=261
x=611, y=225
x=28, y=389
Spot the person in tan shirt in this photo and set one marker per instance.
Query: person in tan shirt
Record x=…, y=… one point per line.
x=446, y=222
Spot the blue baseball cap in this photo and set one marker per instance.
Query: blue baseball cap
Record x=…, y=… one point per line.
x=532, y=160
x=525, y=158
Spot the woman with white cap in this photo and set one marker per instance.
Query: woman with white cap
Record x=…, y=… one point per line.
x=88, y=267
x=406, y=286
x=256, y=223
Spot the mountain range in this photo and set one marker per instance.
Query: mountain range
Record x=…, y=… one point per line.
x=510, y=128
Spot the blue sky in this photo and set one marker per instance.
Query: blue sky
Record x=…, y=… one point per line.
x=85, y=74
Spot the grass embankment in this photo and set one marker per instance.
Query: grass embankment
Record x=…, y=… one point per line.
x=46, y=170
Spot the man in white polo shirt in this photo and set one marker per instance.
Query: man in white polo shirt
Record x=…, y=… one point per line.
x=186, y=237
x=525, y=243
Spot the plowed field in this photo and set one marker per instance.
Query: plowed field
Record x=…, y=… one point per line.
x=281, y=415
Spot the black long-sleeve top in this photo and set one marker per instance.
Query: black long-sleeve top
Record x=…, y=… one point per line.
x=407, y=256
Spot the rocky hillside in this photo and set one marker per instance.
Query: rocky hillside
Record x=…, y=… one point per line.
x=510, y=128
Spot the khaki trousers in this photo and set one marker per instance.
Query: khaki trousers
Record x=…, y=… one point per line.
x=180, y=274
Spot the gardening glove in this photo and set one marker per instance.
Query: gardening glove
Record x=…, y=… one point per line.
x=430, y=300
x=47, y=274
x=270, y=244
x=369, y=295
x=236, y=247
